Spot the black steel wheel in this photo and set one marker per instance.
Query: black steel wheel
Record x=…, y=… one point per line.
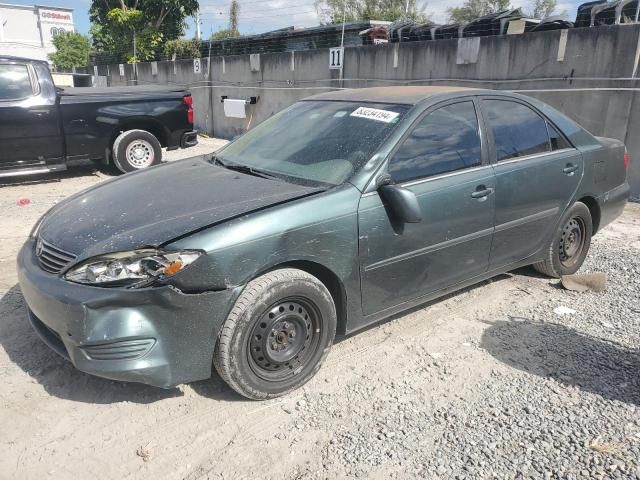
x=570, y=243
x=277, y=335
x=283, y=338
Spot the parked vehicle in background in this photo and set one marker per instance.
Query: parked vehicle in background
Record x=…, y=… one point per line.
x=340, y=211
x=43, y=128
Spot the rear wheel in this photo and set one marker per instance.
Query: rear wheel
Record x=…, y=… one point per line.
x=570, y=243
x=277, y=335
x=136, y=150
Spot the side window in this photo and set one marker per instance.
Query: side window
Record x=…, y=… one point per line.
x=14, y=82
x=558, y=142
x=517, y=130
x=445, y=140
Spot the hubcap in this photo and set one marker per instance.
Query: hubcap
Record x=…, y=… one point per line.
x=571, y=241
x=139, y=154
x=283, y=339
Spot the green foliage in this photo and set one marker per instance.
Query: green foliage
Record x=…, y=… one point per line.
x=473, y=9
x=389, y=10
x=544, y=8
x=115, y=24
x=72, y=50
x=182, y=48
x=222, y=34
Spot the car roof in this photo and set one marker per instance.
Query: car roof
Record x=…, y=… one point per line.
x=405, y=95
x=11, y=58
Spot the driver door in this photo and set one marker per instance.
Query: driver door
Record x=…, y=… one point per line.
x=442, y=160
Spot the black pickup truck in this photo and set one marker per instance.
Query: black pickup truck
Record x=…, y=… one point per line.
x=44, y=128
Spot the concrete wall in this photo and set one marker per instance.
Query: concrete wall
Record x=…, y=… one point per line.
x=594, y=81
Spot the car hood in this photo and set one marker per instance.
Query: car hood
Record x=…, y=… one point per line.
x=152, y=207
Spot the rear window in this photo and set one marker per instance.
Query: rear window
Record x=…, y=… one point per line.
x=518, y=131
x=14, y=82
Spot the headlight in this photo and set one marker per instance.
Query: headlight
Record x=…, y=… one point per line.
x=134, y=269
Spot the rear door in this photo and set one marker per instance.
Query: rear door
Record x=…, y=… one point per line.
x=29, y=127
x=537, y=173
x=441, y=160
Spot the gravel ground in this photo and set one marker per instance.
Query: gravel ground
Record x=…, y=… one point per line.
x=488, y=383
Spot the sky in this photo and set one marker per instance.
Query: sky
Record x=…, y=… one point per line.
x=258, y=16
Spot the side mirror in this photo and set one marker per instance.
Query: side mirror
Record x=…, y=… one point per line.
x=402, y=203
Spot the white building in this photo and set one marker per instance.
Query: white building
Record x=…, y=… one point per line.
x=27, y=31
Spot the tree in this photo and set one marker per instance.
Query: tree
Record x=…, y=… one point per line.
x=72, y=50
x=331, y=11
x=234, y=14
x=544, y=8
x=182, y=48
x=225, y=33
x=232, y=31
x=116, y=24
x=473, y=9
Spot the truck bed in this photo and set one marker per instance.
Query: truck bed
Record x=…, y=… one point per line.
x=129, y=90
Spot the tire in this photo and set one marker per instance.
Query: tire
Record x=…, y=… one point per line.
x=136, y=150
x=570, y=243
x=277, y=335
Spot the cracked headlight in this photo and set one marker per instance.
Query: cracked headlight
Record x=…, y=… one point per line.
x=134, y=269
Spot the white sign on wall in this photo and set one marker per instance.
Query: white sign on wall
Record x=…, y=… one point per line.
x=197, y=66
x=121, y=68
x=336, y=57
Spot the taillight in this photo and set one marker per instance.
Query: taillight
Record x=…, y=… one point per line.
x=188, y=101
x=627, y=159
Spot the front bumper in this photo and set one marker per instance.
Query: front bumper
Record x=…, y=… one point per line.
x=189, y=139
x=158, y=336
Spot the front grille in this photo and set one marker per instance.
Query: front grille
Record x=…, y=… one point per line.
x=52, y=259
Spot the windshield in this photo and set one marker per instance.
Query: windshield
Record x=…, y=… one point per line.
x=315, y=141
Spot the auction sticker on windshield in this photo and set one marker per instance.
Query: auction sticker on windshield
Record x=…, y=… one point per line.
x=375, y=114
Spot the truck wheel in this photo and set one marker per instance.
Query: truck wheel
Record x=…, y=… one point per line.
x=277, y=335
x=135, y=150
x=570, y=243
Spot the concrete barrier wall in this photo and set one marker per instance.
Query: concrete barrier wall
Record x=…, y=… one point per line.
x=591, y=76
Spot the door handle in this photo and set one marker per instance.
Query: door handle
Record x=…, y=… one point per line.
x=481, y=192
x=40, y=112
x=570, y=168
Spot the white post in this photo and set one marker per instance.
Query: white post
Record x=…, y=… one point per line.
x=197, y=24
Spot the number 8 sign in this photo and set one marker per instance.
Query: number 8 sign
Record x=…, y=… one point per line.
x=336, y=56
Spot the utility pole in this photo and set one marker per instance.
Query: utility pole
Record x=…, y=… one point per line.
x=406, y=7
x=198, y=24
x=135, y=58
x=344, y=18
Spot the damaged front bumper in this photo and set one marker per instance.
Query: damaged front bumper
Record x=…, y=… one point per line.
x=157, y=336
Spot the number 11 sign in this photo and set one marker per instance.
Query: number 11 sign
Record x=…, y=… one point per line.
x=336, y=56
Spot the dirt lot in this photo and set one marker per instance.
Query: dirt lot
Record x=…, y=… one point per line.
x=486, y=383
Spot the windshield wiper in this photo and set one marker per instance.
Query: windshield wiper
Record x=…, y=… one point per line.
x=243, y=169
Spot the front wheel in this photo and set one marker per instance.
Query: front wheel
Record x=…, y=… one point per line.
x=136, y=150
x=570, y=243
x=277, y=335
